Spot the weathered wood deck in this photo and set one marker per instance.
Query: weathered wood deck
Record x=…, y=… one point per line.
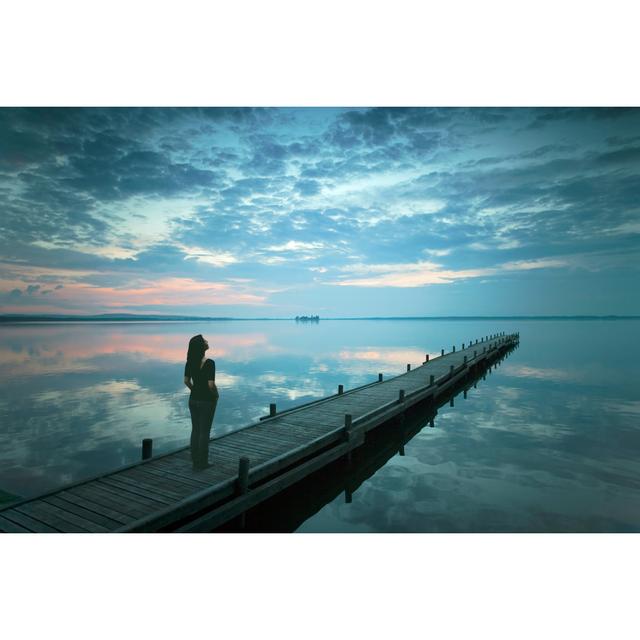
x=165, y=494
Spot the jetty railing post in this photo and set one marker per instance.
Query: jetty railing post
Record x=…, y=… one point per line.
x=442, y=352
x=340, y=389
x=379, y=377
x=426, y=357
x=454, y=348
x=408, y=367
x=147, y=448
x=348, y=434
x=463, y=345
x=243, y=483
x=272, y=409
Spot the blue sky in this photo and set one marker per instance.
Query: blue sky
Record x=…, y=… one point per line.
x=331, y=211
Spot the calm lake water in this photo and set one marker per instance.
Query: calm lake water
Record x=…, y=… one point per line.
x=549, y=442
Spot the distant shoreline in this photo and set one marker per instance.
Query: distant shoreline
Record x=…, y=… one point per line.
x=14, y=318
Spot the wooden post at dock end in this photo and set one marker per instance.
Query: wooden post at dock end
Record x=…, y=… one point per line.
x=272, y=409
x=243, y=484
x=340, y=389
x=348, y=423
x=348, y=435
x=476, y=340
x=401, y=395
x=147, y=448
x=442, y=352
x=379, y=377
x=463, y=346
x=408, y=367
x=432, y=379
x=243, y=475
x=454, y=348
x=464, y=395
x=426, y=358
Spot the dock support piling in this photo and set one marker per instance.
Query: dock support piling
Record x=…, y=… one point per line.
x=147, y=448
x=348, y=424
x=243, y=483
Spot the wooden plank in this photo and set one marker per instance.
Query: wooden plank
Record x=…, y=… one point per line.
x=95, y=505
x=276, y=442
x=248, y=445
x=136, y=478
x=130, y=503
x=132, y=487
x=279, y=438
x=59, y=518
x=7, y=526
x=87, y=514
x=169, y=476
x=219, y=464
x=36, y=525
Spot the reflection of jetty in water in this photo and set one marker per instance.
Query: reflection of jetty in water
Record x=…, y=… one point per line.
x=287, y=511
x=308, y=319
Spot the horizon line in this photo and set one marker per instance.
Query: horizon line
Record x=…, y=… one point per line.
x=169, y=317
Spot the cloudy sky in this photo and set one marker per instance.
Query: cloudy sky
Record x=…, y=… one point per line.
x=334, y=211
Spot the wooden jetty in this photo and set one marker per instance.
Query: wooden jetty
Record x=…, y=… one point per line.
x=249, y=465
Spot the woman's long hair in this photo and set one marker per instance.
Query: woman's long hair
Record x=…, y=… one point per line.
x=194, y=354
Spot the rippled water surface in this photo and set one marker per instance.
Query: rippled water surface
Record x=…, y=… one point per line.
x=549, y=442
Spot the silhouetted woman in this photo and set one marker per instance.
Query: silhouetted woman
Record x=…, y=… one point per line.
x=200, y=377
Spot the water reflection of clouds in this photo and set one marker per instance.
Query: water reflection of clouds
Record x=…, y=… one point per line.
x=540, y=373
x=81, y=351
x=278, y=385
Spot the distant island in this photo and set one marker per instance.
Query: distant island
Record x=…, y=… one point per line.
x=307, y=318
